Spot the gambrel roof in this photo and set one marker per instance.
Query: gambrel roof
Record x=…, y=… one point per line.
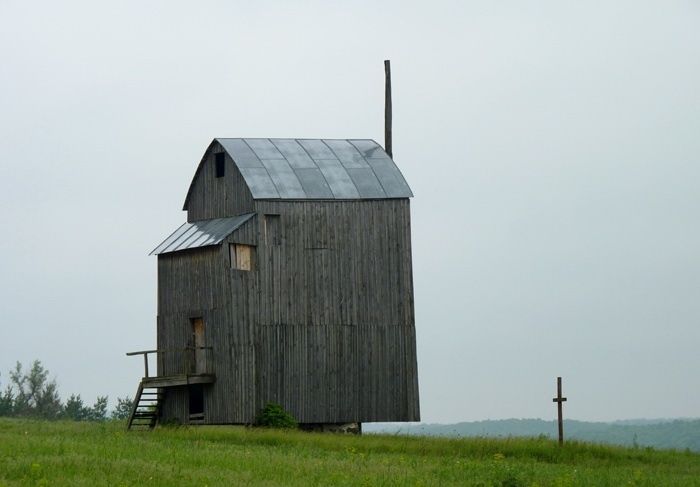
x=303, y=169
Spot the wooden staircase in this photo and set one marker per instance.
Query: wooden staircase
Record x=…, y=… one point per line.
x=149, y=396
x=146, y=408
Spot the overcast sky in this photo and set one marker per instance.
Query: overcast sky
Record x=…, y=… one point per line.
x=553, y=149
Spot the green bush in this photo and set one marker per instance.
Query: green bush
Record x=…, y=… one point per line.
x=274, y=416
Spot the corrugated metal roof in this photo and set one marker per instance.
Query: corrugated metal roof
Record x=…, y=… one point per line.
x=200, y=234
x=316, y=169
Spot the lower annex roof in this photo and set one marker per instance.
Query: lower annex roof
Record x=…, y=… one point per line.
x=201, y=233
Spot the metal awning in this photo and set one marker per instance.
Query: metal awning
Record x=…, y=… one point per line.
x=201, y=234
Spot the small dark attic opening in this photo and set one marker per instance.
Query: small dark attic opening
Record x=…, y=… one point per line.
x=220, y=160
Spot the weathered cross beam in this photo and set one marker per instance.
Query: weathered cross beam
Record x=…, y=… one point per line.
x=559, y=400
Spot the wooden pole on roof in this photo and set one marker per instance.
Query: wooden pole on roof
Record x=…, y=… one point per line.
x=387, y=108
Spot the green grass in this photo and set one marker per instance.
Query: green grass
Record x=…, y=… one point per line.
x=67, y=453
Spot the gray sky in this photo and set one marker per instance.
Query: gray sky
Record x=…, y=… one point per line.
x=552, y=147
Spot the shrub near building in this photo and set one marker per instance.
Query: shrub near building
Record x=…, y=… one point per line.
x=274, y=416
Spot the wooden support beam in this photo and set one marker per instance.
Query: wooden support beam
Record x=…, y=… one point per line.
x=134, y=406
x=178, y=380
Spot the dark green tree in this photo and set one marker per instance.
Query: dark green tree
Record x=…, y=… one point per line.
x=35, y=394
x=123, y=409
x=75, y=409
x=48, y=403
x=21, y=404
x=98, y=411
x=7, y=402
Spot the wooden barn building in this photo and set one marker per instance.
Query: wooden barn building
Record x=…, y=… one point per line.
x=291, y=282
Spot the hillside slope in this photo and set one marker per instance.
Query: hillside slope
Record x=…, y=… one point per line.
x=667, y=434
x=63, y=453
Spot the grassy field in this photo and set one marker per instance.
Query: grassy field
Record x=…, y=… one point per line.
x=67, y=453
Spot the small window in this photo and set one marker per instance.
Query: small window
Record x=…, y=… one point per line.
x=241, y=256
x=220, y=160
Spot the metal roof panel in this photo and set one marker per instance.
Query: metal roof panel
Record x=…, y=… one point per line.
x=284, y=179
x=338, y=179
x=316, y=169
x=390, y=178
x=314, y=184
x=369, y=148
x=240, y=152
x=201, y=233
x=367, y=183
x=348, y=155
x=295, y=154
x=173, y=237
x=259, y=182
x=316, y=149
x=264, y=149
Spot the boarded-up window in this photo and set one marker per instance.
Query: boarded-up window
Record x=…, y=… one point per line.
x=242, y=256
x=272, y=230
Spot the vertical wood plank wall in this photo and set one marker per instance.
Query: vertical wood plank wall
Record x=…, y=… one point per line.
x=213, y=197
x=335, y=334
x=200, y=283
x=323, y=325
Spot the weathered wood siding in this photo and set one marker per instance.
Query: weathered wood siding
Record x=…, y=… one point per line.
x=324, y=324
x=212, y=197
x=334, y=331
x=199, y=283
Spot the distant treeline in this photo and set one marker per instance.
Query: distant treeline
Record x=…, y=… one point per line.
x=31, y=394
x=679, y=434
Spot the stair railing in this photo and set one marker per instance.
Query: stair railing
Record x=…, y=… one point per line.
x=190, y=360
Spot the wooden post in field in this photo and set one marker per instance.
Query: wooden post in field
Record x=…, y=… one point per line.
x=559, y=400
x=387, y=109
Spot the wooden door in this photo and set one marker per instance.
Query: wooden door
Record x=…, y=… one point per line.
x=200, y=356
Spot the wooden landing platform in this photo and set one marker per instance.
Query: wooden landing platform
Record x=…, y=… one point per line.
x=177, y=380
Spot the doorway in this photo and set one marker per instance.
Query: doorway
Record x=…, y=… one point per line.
x=196, y=400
